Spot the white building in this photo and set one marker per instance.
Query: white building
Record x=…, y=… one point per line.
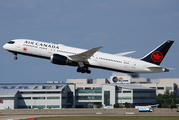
x=129, y=93
x=37, y=95
x=100, y=91
x=163, y=84
x=82, y=92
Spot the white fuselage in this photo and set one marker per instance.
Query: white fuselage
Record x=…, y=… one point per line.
x=98, y=60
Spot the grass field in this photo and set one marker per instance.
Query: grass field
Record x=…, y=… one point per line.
x=110, y=118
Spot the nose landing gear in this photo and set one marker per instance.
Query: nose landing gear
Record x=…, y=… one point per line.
x=15, y=58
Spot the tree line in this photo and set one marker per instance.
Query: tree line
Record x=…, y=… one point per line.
x=167, y=100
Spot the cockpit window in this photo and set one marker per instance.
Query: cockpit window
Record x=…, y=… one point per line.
x=11, y=42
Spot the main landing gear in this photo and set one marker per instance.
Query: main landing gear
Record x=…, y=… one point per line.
x=15, y=58
x=83, y=70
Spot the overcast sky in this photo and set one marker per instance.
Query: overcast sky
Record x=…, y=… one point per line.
x=118, y=25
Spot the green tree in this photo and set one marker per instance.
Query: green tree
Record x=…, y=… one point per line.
x=127, y=105
x=167, y=100
x=99, y=105
x=116, y=105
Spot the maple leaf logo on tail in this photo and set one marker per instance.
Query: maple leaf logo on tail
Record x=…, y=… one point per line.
x=157, y=56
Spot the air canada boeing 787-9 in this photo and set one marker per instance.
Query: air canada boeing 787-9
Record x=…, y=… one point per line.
x=83, y=59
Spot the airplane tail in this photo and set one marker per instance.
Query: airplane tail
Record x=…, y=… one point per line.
x=157, y=55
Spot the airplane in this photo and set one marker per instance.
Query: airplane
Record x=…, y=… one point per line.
x=83, y=59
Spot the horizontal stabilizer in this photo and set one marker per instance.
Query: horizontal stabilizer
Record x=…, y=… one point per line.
x=158, y=69
x=124, y=53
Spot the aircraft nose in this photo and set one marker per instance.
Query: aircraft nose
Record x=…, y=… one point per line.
x=5, y=46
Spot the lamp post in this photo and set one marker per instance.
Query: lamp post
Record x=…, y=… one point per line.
x=164, y=100
x=172, y=102
x=177, y=98
x=171, y=99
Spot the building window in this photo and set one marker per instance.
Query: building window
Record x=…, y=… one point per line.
x=25, y=92
x=79, y=88
x=89, y=81
x=24, y=106
x=126, y=91
x=160, y=88
x=47, y=87
x=64, y=97
x=38, y=92
x=89, y=98
x=124, y=98
x=98, y=88
x=70, y=98
x=38, y=106
x=153, y=87
x=168, y=88
x=38, y=97
x=53, y=97
x=53, y=106
x=53, y=92
x=144, y=97
x=22, y=98
x=87, y=88
x=144, y=91
x=88, y=91
x=107, y=97
x=119, y=91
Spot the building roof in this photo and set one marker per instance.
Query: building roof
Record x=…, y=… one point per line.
x=131, y=86
x=8, y=93
x=10, y=90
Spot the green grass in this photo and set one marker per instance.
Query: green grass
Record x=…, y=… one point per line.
x=110, y=118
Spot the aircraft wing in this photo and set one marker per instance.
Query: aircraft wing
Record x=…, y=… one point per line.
x=84, y=55
x=124, y=53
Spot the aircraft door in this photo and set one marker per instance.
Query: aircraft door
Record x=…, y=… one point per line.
x=134, y=65
x=96, y=57
x=126, y=64
x=51, y=49
x=18, y=46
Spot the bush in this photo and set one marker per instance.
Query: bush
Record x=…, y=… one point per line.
x=127, y=105
x=116, y=105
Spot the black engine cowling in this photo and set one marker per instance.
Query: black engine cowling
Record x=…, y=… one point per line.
x=61, y=60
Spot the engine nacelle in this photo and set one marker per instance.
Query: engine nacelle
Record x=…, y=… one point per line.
x=61, y=60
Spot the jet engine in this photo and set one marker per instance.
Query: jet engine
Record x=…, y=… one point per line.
x=61, y=60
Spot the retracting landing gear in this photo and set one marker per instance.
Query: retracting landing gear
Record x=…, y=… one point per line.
x=83, y=70
x=15, y=58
